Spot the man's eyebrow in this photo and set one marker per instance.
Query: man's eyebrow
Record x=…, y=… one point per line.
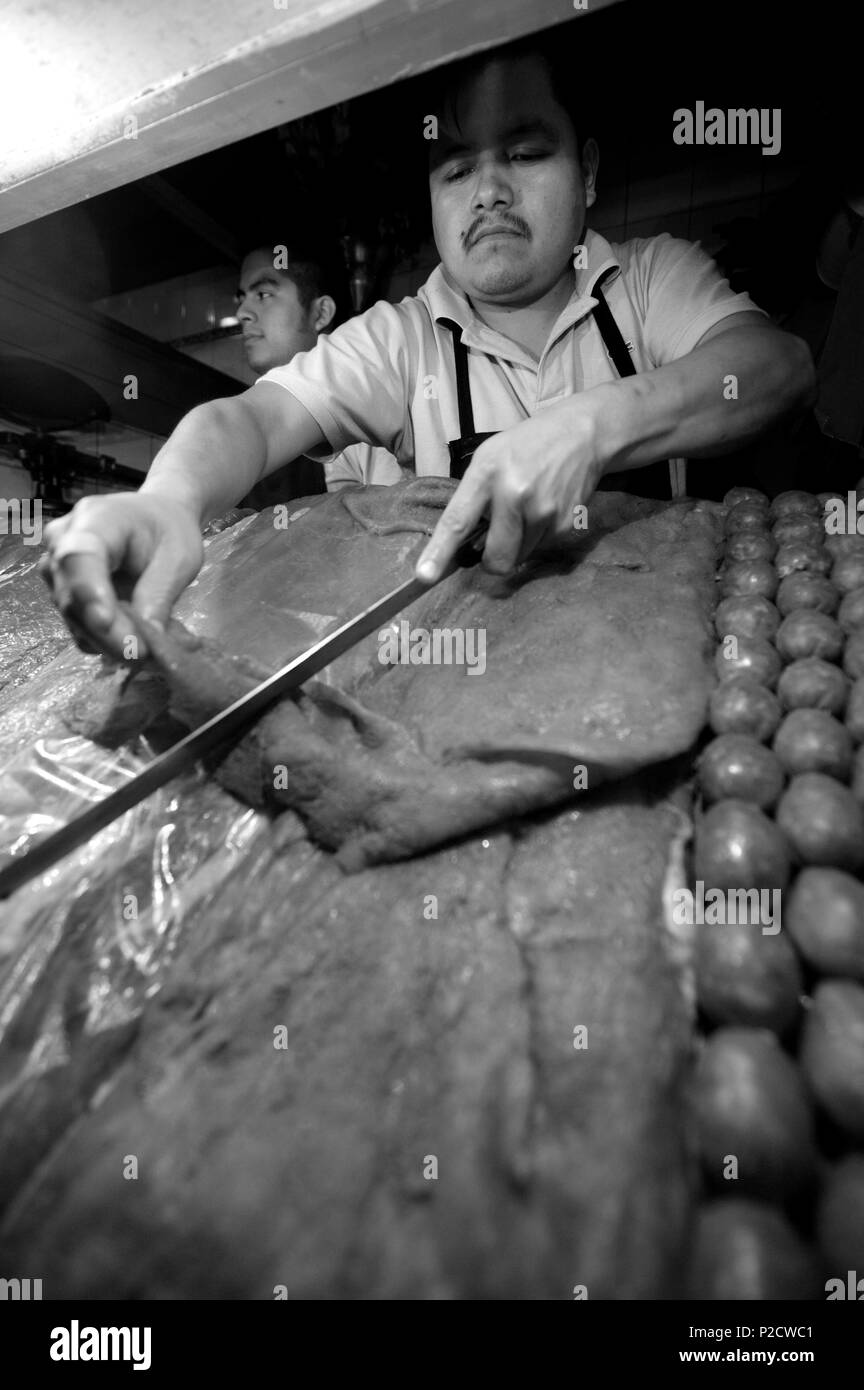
x=535, y=127
x=513, y=132
x=264, y=279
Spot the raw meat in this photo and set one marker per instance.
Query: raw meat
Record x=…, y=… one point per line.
x=595, y=658
x=407, y=1038
x=477, y=1090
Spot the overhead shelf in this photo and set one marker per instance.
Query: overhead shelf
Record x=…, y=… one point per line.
x=98, y=94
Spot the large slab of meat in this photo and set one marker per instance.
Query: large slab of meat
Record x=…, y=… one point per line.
x=454, y=1071
x=594, y=658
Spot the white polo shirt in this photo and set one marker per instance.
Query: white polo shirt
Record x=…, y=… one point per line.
x=360, y=463
x=387, y=377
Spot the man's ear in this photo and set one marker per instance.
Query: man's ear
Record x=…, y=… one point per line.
x=590, y=165
x=323, y=312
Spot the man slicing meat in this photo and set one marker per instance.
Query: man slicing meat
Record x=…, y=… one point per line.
x=508, y=338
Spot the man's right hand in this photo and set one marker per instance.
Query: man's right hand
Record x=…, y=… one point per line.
x=143, y=546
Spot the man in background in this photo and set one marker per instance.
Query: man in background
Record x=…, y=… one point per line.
x=286, y=297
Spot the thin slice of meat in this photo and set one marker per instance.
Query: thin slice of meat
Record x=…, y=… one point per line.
x=595, y=664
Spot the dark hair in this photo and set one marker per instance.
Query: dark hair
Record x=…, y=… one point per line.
x=315, y=270
x=440, y=85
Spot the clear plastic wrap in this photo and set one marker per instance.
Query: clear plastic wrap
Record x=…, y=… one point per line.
x=114, y=909
x=111, y=913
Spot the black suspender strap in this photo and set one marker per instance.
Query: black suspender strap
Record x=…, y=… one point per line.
x=650, y=481
x=462, y=449
x=463, y=385
x=609, y=331
x=612, y=335
x=654, y=479
x=613, y=338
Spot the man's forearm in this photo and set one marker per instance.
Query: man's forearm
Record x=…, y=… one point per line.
x=717, y=398
x=214, y=457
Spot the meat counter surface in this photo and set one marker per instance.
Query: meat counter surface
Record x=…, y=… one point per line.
x=395, y=1002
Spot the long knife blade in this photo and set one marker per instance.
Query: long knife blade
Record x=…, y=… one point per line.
x=222, y=726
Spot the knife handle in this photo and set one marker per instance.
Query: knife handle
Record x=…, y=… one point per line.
x=470, y=551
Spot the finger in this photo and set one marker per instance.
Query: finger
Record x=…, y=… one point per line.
x=535, y=535
x=83, y=591
x=120, y=641
x=81, y=640
x=459, y=518
x=507, y=533
x=86, y=597
x=123, y=640
x=161, y=581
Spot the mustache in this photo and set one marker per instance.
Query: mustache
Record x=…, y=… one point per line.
x=482, y=224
